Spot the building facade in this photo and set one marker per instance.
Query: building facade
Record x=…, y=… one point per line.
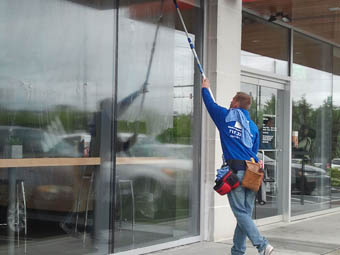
x=105, y=145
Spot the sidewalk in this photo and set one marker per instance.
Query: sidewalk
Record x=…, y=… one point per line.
x=317, y=235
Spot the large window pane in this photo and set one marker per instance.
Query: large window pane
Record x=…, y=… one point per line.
x=312, y=101
x=265, y=46
x=335, y=164
x=157, y=197
x=55, y=126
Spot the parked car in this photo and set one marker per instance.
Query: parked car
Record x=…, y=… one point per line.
x=46, y=188
x=160, y=174
x=335, y=163
x=314, y=177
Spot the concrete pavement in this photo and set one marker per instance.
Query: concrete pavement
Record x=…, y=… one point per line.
x=317, y=235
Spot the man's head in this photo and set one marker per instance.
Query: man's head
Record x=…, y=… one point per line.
x=241, y=100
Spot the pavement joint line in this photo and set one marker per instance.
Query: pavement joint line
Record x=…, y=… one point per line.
x=284, y=241
x=304, y=243
x=312, y=217
x=332, y=252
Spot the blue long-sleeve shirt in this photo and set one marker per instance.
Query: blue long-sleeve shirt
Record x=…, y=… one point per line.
x=231, y=132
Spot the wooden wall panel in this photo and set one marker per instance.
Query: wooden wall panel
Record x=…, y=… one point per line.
x=312, y=16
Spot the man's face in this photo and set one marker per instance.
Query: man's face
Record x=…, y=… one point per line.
x=234, y=103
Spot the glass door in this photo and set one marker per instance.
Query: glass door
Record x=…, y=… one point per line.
x=265, y=113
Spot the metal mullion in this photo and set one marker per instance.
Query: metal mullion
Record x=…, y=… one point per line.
x=111, y=245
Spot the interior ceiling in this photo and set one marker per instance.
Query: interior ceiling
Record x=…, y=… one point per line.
x=318, y=17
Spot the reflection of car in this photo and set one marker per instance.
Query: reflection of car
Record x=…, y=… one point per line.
x=315, y=178
x=46, y=188
x=160, y=175
x=335, y=163
x=159, y=172
x=35, y=143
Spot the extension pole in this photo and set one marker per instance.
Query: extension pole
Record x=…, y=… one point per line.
x=189, y=40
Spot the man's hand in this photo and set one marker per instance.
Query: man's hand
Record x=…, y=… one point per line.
x=261, y=163
x=205, y=83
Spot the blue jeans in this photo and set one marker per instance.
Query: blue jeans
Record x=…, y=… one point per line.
x=241, y=201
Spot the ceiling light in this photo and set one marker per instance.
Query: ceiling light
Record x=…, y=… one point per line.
x=272, y=18
x=279, y=16
x=286, y=19
x=334, y=9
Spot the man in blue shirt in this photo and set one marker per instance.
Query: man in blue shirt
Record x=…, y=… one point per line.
x=239, y=137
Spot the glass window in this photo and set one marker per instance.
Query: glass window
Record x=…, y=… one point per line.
x=265, y=46
x=157, y=197
x=55, y=126
x=335, y=165
x=312, y=115
x=264, y=111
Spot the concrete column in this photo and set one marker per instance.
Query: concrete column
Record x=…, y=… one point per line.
x=222, y=63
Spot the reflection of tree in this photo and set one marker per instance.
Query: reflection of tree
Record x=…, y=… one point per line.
x=319, y=121
x=180, y=133
x=131, y=127
x=71, y=118
x=302, y=112
x=336, y=132
x=270, y=105
x=256, y=113
x=253, y=108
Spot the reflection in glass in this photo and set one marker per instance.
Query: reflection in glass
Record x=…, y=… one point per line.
x=155, y=198
x=55, y=126
x=311, y=151
x=265, y=46
x=263, y=112
x=335, y=163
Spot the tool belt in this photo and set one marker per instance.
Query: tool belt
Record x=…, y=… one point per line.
x=227, y=182
x=236, y=164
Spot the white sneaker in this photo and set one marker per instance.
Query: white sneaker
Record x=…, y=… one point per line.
x=268, y=250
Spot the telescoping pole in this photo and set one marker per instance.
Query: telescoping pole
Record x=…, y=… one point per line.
x=189, y=40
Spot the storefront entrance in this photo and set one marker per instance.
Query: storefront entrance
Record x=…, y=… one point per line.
x=266, y=111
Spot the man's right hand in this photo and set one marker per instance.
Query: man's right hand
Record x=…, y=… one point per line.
x=205, y=83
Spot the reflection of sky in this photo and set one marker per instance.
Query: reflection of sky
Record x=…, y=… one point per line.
x=51, y=49
x=336, y=90
x=263, y=63
x=136, y=40
x=61, y=53
x=313, y=84
x=266, y=93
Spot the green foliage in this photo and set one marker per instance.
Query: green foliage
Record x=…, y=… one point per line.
x=270, y=105
x=302, y=114
x=13, y=140
x=253, y=109
x=131, y=127
x=319, y=122
x=336, y=132
x=335, y=177
x=256, y=113
x=180, y=133
x=71, y=119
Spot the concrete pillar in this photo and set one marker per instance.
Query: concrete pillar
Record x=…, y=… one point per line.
x=222, y=63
